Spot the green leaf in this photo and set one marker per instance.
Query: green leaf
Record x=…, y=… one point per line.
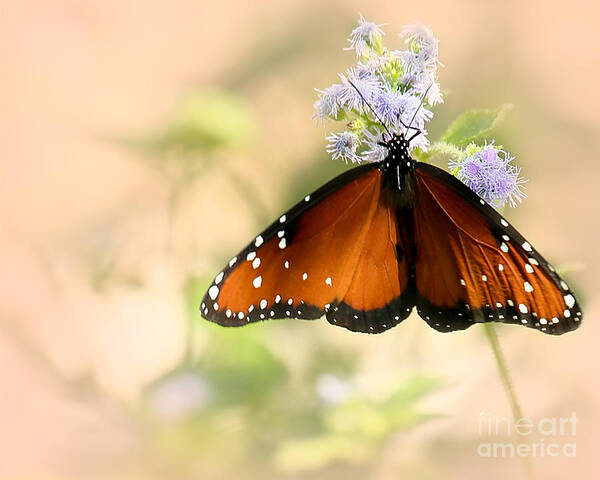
x=474, y=126
x=437, y=152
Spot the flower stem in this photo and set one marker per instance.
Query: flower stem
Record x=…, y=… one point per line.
x=492, y=337
x=517, y=413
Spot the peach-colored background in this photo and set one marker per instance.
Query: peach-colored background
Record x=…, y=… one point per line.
x=73, y=361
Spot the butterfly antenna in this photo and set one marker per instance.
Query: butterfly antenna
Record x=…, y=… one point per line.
x=420, y=105
x=372, y=109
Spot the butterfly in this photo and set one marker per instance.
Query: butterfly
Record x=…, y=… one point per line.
x=386, y=237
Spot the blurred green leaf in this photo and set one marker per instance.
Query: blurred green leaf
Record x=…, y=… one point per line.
x=194, y=289
x=377, y=419
x=330, y=359
x=202, y=124
x=358, y=417
x=474, y=126
x=315, y=453
x=240, y=367
x=413, y=389
x=236, y=361
x=204, y=121
x=354, y=431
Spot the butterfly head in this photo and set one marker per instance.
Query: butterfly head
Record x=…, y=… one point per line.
x=397, y=147
x=398, y=142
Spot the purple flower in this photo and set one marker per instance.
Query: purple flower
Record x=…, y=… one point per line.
x=422, y=53
x=363, y=37
x=488, y=172
x=329, y=102
x=388, y=106
x=343, y=145
x=420, y=62
x=383, y=91
x=366, y=82
x=392, y=106
x=374, y=152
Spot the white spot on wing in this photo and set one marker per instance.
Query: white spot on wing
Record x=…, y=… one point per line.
x=328, y=281
x=277, y=298
x=259, y=241
x=263, y=303
x=504, y=247
x=228, y=313
x=564, y=285
x=528, y=268
x=484, y=278
x=282, y=219
x=570, y=300
x=504, y=223
x=304, y=276
x=218, y=278
x=282, y=243
x=307, y=198
x=528, y=287
x=256, y=263
x=523, y=308
x=213, y=292
x=526, y=246
x=281, y=233
x=286, y=264
x=567, y=313
x=500, y=267
x=251, y=256
x=257, y=282
x=232, y=262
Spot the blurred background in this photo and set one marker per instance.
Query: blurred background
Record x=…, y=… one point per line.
x=142, y=143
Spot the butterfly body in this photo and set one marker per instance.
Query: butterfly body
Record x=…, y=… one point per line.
x=383, y=238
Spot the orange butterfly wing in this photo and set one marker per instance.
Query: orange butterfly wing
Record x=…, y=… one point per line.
x=472, y=266
x=319, y=258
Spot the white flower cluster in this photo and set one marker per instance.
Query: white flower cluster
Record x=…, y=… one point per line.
x=385, y=91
